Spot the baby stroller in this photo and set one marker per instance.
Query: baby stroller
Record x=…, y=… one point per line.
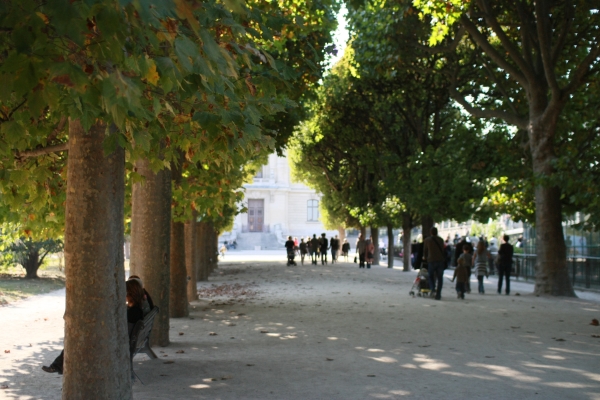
x=421, y=284
x=291, y=254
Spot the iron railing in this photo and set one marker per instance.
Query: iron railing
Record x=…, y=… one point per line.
x=584, y=271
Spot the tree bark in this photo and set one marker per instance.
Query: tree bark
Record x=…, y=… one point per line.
x=214, y=248
x=178, y=302
x=406, y=240
x=202, y=253
x=390, y=257
x=96, y=364
x=363, y=232
x=191, y=257
x=552, y=275
x=375, y=239
x=426, y=225
x=32, y=263
x=150, y=242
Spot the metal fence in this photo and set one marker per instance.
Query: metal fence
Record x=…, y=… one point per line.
x=584, y=271
x=583, y=256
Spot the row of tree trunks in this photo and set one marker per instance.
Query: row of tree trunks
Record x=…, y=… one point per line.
x=150, y=242
x=96, y=336
x=390, y=256
x=406, y=241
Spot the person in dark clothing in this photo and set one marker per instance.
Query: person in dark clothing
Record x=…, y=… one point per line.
x=434, y=254
x=290, y=247
x=335, y=247
x=458, y=250
x=135, y=297
x=147, y=303
x=314, y=246
x=324, y=243
x=461, y=275
x=505, y=256
x=303, y=250
x=345, y=249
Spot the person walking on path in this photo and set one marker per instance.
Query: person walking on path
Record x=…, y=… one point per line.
x=335, y=247
x=360, y=249
x=481, y=262
x=303, y=250
x=461, y=276
x=433, y=253
x=466, y=258
x=505, y=256
x=369, y=252
x=345, y=249
x=314, y=246
x=324, y=248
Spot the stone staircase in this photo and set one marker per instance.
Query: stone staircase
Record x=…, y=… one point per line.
x=249, y=241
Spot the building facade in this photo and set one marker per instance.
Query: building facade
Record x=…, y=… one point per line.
x=278, y=205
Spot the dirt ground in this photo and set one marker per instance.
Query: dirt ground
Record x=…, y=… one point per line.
x=335, y=332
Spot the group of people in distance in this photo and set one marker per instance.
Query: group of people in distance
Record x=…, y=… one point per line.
x=480, y=258
x=317, y=248
x=139, y=303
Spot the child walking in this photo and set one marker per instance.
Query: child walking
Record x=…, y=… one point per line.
x=481, y=262
x=461, y=276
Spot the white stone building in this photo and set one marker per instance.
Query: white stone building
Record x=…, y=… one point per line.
x=279, y=206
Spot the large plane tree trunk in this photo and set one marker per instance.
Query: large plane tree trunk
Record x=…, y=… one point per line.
x=150, y=242
x=552, y=277
x=96, y=363
x=201, y=237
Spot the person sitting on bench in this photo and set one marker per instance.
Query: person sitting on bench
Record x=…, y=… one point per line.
x=147, y=303
x=135, y=298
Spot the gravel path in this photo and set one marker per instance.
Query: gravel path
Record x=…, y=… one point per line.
x=336, y=332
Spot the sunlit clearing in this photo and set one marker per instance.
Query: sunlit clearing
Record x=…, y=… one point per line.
x=585, y=353
x=569, y=385
x=399, y=392
x=274, y=334
x=411, y=366
x=200, y=386
x=376, y=350
x=332, y=338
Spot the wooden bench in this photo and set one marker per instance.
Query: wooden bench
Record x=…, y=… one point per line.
x=139, y=342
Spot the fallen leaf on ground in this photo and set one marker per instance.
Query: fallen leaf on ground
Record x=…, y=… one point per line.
x=596, y=336
x=264, y=331
x=515, y=327
x=226, y=377
x=595, y=322
x=249, y=365
x=212, y=334
x=371, y=376
x=560, y=340
x=168, y=362
x=425, y=345
x=329, y=359
x=180, y=352
x=180, y=333
x=7, y=351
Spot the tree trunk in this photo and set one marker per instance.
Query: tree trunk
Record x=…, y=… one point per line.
x=406, y=240
x=426, y=225
x=390, y=257
x=363, y=232
x=150, y=242
x=375, y=239
x=552, y=275
x=96, y=364
x=32, y=264
x=191, y=257
x=202, y=252
x=178, y=303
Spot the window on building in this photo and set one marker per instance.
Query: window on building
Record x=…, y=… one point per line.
x=259, y=173
x=312, y=210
